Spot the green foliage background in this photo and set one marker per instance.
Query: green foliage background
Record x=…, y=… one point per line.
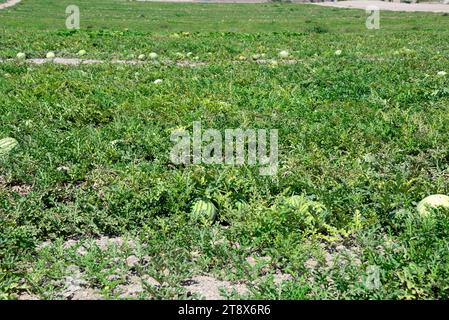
x=362, y=135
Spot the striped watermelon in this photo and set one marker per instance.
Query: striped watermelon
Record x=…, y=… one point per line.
x=240, y=206
x=204, y=212
x=298, y=202
x=302, y=204
x=6, y=145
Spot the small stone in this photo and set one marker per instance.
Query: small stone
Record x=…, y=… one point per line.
x=131, y=261
x=251, y=261
x=151, y=281
x=113, y=277
x=86, y=294
x=280, y=277
x=132, y=288
x=311, y=263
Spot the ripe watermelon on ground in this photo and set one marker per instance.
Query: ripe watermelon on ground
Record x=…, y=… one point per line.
x=314, y=210
x=434, y=201
x=6, y=145
x=204, y=212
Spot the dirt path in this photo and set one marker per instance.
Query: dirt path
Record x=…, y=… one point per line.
x=389, y=6
x=180, y=63
x=208, y=1
x=9, y=3
x=77, y=62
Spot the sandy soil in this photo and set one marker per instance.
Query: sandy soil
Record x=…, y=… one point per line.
x=74, y=285
x=390, y=6
x=208, y=1
x=9, y=3
x=359, y=4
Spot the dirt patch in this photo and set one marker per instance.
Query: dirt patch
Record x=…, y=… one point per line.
x=280, y=277
x=27, y=296
x=8, y=4
x=130, y=282
x=76, y=288
x=78, y=62
x=336, y=255
x=20, y=189
x=389, y=6
x=192, y=64
x=208, y=1
x=74, y=285
x=271, y=61
x=181, y=63
x=135, y=285
x=103, y=243
x=208, y=287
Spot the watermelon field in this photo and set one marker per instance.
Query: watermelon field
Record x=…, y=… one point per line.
x=93, y=207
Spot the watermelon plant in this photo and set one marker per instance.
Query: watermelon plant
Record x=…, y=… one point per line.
x=362, y=128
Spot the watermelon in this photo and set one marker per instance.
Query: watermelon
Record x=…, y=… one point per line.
x=283, y=54
x=240, y=206
x=21, y=56
x=204, y=212
x=434, y=201
x=308, y=207
x=295, y=201
x=7, y=144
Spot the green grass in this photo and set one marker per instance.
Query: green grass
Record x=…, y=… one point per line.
x=364, y=134
x=168, y=17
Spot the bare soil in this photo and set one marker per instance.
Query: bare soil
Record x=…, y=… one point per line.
x=389, y=6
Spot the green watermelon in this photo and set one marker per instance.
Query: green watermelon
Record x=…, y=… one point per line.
x=296, y=201
x=307, y=207
x=240, y=206
x=6, y=145
x=431, y=202
x=204, y=212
